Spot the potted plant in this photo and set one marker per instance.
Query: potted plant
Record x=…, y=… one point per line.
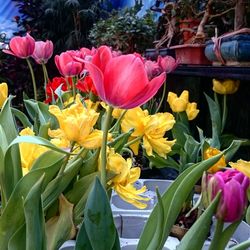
x=232, y=48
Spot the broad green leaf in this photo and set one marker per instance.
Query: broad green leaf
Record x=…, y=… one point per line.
x=200, y=230
x=34, y=218
x=215, y=116
x=98, y=219
x=60, y=183
x=18, y=240
x=11, y=221
x=179, y=130
x=90, y=163
x=235, y=145
x=173, y=199
x=82, y=240
x=242, y=246
x=43, y=130
x=60, y=228
x=79, y=193
x=192, y=147
x=21, y=117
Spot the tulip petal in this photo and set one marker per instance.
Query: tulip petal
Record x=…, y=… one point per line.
x=147, y=93
x=102, y=57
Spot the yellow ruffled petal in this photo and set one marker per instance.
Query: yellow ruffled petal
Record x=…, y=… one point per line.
x=242, y=166
x=210, y=152
x=93, y=140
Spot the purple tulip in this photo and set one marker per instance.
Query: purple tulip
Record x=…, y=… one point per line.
x=233, y=186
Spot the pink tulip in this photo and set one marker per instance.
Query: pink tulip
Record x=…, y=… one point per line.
x=122, y=81
x=67, y=65
x=233, y=186
x=167, y=63
x=43, y=51
x=22, y=47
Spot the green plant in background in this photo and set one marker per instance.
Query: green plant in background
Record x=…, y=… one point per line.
x=125, y=31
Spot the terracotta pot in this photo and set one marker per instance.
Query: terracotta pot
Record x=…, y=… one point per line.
x=191, y=54
x=188, y=24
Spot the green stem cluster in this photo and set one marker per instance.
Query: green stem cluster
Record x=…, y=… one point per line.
x=33, y=78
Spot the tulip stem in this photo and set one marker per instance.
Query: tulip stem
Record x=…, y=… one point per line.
x=133, y=141
x=105, y=130
x=217, y=235
x=118, y=121
x=46, y=78
x=33, y=78
x=162, y=97
x=224, y=114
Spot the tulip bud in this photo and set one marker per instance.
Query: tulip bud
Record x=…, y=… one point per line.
x=210, y=152
x=226, y=86
x=192, y=111
x=43, y=51
x=22, y=47
x=3, y=93
x=178, y=104
x=233, y=186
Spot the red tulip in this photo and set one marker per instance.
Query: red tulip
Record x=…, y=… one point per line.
x=22, y=47
x=67, y=65
x=53, y=85
x=86, y=85
x=122, y=81
x=233, y=186
x=43, y=51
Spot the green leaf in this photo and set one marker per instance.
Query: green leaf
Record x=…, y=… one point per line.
x=82, y=240
x=120, y=141
x=192, y=147
x=173, y=199
x=43, y=130
x=160, y=162
x=18, y=240
x=79, y=193
x=235, y=145
x=34, y=218
x=98, y=219
x=60, y=228
x=242, y=246
x=60, y=183
x=215, y=116
x=179, y=130
x=21, y=117
x=200, y=229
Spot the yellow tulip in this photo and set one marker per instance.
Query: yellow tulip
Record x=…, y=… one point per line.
x=210, y=152
x=126, y=176
x=151, y=128
x=242, y=166
x=178, y=104
x=192, y=111
x=76, y=125
x=225, y=87
x=29, y=152
x=3, y=93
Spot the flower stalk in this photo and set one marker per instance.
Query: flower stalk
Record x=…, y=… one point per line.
x=46, y=78
x=33, y=78
x=105, y=130
x=217, y=235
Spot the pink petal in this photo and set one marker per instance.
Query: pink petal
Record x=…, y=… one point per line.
x=124, y=78
x=102, y=57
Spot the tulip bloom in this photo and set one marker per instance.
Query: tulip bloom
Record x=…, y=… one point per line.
x=86, y=85
x=225, y=87
x=76, y=125
x=167, y=63
x=210, y=152
x=125, y=177
x=233, y=186
x=151, y=128
x=178, y=104
x=22, y=47
x=122, y=81
x=43, y=51
x=192, y=111
x=67, y=65
x=29, y=152
x=3, y=93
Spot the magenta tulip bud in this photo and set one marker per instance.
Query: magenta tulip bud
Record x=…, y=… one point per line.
x=22, y=47
x=167, y=63
x=43, y=51
x=233, y=186
x=67, y=65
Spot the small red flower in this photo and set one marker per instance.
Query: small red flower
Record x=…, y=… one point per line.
x=53, y=85
x=86, y=85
